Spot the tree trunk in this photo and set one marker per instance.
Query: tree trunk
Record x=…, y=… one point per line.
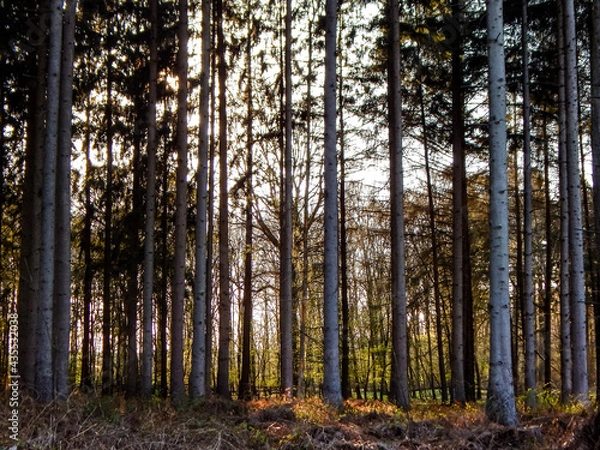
x=148, y=280
x=399, y=371
x=332, y=390
x=62, y=288
x=286, y=270
x=198, y=376
x=44, y=379
x=29, y=264
x=245, y=386
x=577, y=271
x=177, y=379
x=500, y=405
x=224, y=296
x=595, y=65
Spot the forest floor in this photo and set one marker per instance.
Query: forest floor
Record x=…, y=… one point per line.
x=88, y=421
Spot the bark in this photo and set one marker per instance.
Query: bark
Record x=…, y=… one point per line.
x=62, y=288
x=286, y=271
x=500, y=404
x=177, y=379
x=566, y=369
x=199, y=376
x=332, y=390
x=576, y=253
x=224, y=295
x=528, y=299
x=548, y=272
x=595, y=66
x=149, y=260
x=31, y=218
x=44, y=379
x=245, y=390
x=399, y=364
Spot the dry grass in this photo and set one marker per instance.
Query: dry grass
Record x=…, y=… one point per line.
x=87, y=421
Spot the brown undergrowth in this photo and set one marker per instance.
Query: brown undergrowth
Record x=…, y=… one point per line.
x=93, y=422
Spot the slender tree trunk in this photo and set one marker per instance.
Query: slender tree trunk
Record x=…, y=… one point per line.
x=565, y=307
x=62, y=288
x=595, y=66
x=332, y=389
x=577, y=271
x=286, y=271
x=198, y=376
x=245, y=386
x=148, y=278
x=165, y=273
x=500, y=405
x=528, y=300
x=399, y=369
x=458, y=393
x=177, y=379
x=44, y=379
x=224, y=296
x=29, y=280
x=86, y=248
x=548, y=267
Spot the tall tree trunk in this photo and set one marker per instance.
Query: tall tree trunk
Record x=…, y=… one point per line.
x=458, y=393
x=286, y=270
x=224, y=296
x=86, y=249
x=345, y=337
x=565, y=307
x=165, y=273
x=332, y=390
x=577, y=271
x=177, y=379
x=199, y=376
x=107, y=357
x=29, y=263
x=62, y=288
x=500, y=405
x=148, y=277
x=399, y=365
x=245, y=386
x=595, y=65
x=306, y=224
x=547, y=306
x=528, y=300
x=435, y=256
x=44, y=379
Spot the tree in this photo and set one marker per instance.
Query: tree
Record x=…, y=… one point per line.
x=500, y=404
x=199, y=376
x=399, y=373
x=332, y=390
x=149, y=250
x=528, y=299
x=286, y=274
x=62, y=288
x=177, y=379
x=224, y=295
x=577, y=270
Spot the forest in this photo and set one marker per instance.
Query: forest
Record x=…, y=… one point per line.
x=300, y=209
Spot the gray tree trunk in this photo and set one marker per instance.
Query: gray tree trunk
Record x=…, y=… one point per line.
x=62, y=288
x=528, y=300
x=198, y=375
x=566, y=369
x=177, y=379
x=576, y=253
x=500, y=405
x=595, y=66
x=224, y=295
x=399, y=368
x=148, y=277
x=332, y=389
x=44, y=377
x=286, y=271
